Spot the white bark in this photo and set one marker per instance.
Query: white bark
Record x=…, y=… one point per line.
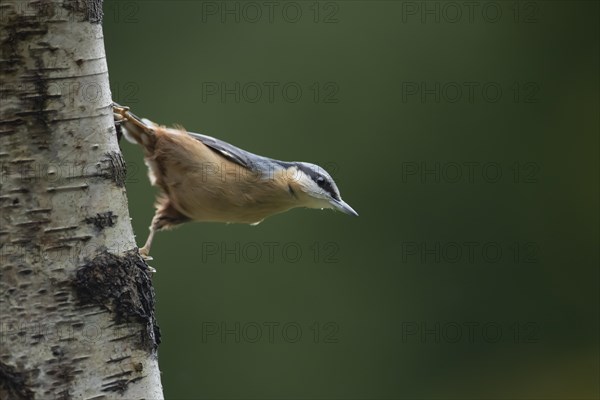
x=76, y=301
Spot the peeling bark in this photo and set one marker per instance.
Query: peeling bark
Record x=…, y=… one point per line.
x=76, y=301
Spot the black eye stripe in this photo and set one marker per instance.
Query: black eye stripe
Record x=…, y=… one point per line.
x=320, y=180
x=326, y=186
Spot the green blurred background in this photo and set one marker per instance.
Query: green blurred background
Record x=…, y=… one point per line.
x=465, y=135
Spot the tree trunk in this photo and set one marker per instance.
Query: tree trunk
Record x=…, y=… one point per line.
x=76, y=300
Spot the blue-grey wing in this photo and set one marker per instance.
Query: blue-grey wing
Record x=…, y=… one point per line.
x=230, y=152
x=235, y=154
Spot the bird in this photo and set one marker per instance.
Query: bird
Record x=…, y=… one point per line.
x=205, y=179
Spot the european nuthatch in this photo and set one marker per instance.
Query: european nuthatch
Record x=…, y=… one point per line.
x=206, y=179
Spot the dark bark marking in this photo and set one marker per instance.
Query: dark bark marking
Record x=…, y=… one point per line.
x=94, y=11
x=102, y=220
x=119, y=385
x=91, y=10
x=121, y=285
x=116, y=360
x=13, y=384
x=25, y=28
x=119, y=375
x=41, y=96
x=21, y=28
x=115, y=168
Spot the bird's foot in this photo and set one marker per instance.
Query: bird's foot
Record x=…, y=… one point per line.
x=144, y=254
x=117, y=108
x=146, y=257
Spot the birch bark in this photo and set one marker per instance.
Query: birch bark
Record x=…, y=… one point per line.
x=76, y=301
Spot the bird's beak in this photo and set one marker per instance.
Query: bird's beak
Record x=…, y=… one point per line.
x=342, y=206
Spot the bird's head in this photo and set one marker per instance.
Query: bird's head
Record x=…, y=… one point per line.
x=315, y=188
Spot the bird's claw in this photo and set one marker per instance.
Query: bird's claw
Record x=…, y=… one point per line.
x=117, y=106
x=144, y=254
x=120, y=113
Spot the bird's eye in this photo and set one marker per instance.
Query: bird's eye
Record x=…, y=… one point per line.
x=320, y=181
